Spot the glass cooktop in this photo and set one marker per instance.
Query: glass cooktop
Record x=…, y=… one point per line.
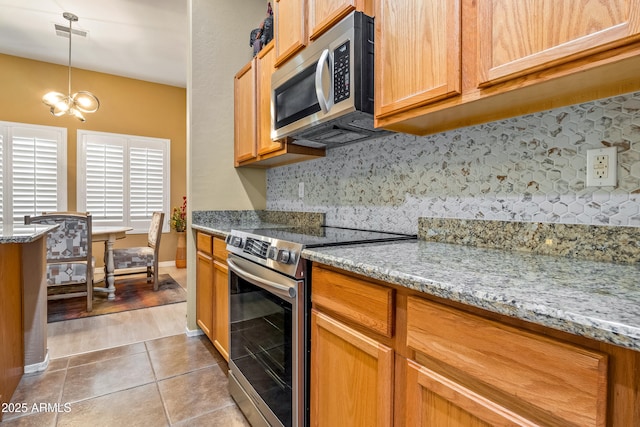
x=328, y=236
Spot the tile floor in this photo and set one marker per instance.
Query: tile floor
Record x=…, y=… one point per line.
x=166, y=380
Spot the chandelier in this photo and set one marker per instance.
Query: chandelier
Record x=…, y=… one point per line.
x=71, y=104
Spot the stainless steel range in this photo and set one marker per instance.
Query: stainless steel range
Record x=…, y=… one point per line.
x=269, y=304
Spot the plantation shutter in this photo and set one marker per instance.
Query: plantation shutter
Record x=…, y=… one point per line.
x=105, y=179
x=123, y=179
x=147, y=183
x=37, y=172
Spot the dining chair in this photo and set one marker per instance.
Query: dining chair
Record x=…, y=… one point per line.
x=144, y=256
x=69, y=258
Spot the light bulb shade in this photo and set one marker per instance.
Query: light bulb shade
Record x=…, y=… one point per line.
x=77, y=114
x=59, y=112
x=52, y=98
x=85, y=101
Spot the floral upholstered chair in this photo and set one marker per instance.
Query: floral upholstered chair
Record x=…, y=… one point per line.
x=145, y=256
x=69, y=260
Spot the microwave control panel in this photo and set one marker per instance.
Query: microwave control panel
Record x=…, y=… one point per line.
x=341, y=67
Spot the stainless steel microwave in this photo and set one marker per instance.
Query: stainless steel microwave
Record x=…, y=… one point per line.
x=324, y=95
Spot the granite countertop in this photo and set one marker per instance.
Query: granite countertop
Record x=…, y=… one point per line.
x=594, y=299
x=221, y=230
x=23, y=233
x=597, y=300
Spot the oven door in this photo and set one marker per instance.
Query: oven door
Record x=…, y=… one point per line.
x=267, y=344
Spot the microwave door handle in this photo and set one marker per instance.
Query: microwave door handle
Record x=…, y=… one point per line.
x=325, y=100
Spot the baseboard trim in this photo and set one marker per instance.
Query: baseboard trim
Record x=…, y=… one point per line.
x=38, y=367
x=193, y=332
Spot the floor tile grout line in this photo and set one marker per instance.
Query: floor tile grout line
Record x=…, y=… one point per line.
x=112, y=347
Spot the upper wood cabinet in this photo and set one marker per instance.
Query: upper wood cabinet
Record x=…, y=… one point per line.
x=417, y=48
x=323, y=14
x=264, y=69
x=290, y=28
x=299, y=21
x=519, y=37
x=245, y=113
x=446, y=64
x=252, y=137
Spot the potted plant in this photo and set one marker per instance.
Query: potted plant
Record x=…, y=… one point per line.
x=178, y=222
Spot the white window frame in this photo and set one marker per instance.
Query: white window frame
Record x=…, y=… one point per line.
x=127, y=142
x=9, y=130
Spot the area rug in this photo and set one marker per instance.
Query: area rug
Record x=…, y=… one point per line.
x=132, y=293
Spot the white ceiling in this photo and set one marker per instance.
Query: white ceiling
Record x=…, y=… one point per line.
x=140, y=39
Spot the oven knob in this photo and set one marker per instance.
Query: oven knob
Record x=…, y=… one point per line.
x=284, y=256
x=272, y=253
x=235, y=241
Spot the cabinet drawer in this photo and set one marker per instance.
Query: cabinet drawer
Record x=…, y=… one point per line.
x=203, y=242
x=564, y=381
x=220, y=249
x=362, y=302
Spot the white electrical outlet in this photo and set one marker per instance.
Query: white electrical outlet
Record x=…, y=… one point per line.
x=301, y=190
x=602, y=167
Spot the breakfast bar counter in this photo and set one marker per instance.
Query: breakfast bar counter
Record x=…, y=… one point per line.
x=23, y=304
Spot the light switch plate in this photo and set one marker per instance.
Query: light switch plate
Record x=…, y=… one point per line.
x=602, y=167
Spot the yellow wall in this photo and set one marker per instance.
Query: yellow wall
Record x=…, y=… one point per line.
x=127, y=106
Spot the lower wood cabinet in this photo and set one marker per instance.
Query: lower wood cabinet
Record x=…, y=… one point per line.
x=212, y=291
x=383, y=355
x=554, y=382
x=204, y=284
x=351, y=376
x=221, y=298
x=435, y=400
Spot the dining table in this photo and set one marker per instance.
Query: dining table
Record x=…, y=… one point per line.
x=109, y=234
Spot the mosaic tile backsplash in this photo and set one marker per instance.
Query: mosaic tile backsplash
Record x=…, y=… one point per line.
x=525, y=169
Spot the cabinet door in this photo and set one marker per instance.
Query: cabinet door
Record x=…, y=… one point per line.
x=519, y=37
x=245, y=114
x=290, y=28
x=351, y=376
x=417, y=48
x=221, y=280
x=434, y=400
x=11, y=326
x=264, y=69
x=204, y=293
x=323, y=14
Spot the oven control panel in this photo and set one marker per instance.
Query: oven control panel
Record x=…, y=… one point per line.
x=281, y=255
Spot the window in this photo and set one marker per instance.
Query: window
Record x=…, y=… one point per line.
x=123, y=179
x=33, y=171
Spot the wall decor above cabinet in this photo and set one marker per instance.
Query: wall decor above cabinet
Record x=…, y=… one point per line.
x=486, y=60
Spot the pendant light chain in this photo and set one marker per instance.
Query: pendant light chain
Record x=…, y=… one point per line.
x=70, y=34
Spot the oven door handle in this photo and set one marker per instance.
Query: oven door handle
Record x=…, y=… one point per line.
x=265, y=283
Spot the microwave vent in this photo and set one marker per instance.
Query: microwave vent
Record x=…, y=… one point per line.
x=354, y=127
